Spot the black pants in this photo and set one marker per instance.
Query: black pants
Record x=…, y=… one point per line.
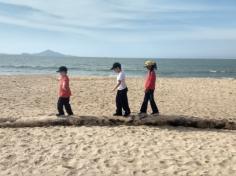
x=122, y=101
x=149, y=96
x=64, y=102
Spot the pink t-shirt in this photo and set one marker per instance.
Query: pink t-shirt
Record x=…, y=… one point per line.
x=64, y=92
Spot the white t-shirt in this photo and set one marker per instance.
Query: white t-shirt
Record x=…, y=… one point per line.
x=121, y=77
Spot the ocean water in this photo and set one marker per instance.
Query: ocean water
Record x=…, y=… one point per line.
x=20, y=64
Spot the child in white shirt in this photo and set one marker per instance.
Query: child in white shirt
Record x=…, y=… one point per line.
x=121, y=96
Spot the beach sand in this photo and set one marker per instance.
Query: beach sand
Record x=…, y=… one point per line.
x=117, y=150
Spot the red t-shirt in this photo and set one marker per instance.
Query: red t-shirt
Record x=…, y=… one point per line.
x=64, y=87
x=150, y=82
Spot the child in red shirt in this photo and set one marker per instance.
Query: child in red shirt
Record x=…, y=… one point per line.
x=150, y=88
x=64, y=93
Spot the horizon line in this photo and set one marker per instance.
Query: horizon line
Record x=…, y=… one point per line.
x=112, y=57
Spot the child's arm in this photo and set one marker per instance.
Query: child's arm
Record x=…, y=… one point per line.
x=65, y=86
x=117, y=85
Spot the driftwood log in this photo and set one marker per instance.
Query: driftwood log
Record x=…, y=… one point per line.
x=163, y=120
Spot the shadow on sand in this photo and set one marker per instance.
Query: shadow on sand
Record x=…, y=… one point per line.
x=162, y=120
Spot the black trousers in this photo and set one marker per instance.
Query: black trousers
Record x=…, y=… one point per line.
x=149, y=96
x=122, y=101
x=64, y=102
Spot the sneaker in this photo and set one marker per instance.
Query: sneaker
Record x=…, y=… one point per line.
x=116, y=114
x=60, y=115
x=126, y=114
x=142, y=113
x=155, y=113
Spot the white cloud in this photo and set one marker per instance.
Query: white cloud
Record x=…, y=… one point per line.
x=119, y=21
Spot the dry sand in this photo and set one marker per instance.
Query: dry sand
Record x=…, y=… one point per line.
x=122, y=150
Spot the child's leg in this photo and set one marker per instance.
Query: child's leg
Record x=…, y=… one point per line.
x=125, y=102
x=118, y=103
x=153, y=103
x=145, y=102
x=67, y=106
x=60, y=104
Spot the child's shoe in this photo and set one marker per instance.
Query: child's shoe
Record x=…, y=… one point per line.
x=155, y=113
x=127, y=114
x=60, y=115
x=116, y=114
x=142, y=113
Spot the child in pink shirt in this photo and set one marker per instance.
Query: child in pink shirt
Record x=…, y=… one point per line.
x=150, y=88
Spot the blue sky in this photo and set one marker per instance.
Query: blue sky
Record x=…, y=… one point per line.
x=120, y=28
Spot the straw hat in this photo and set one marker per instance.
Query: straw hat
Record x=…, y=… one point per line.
x=149, y=63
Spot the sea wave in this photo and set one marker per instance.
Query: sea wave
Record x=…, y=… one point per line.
x=132, y=67
x=25, y=67
x=82, y=67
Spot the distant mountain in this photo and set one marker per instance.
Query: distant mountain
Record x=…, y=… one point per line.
x=46, y=53
x=49, y=53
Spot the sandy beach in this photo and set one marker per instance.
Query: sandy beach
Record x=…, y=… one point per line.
x=118, y=150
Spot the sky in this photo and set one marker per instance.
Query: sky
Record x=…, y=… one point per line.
x=120, y=28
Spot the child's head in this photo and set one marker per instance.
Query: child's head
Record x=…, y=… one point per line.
x=116, y=67
x=150, y=65
x=62, y=70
